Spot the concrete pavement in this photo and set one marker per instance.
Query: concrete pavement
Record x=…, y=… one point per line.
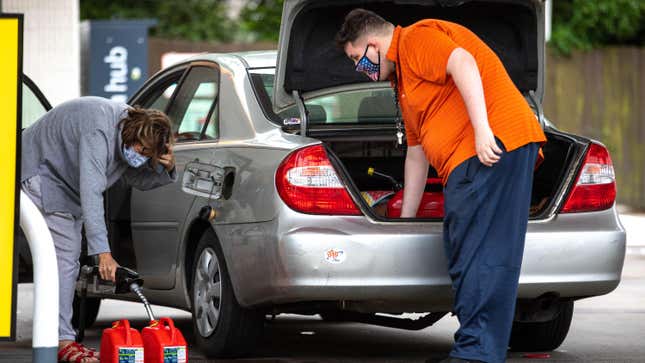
x=608, y=328
x=634, y=224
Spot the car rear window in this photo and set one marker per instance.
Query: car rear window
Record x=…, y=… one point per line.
x=371, y=106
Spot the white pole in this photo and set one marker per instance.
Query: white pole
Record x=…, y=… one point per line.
x=43, y=253
x=548, y=14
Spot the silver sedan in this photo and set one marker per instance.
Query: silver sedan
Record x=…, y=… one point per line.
x=290, y=170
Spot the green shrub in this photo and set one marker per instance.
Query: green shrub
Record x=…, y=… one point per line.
x=587, y=24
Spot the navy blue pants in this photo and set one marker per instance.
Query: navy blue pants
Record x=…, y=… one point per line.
x=486, y=214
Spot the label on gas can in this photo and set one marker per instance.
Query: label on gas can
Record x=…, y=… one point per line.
x=174, y=354
x=130, y=355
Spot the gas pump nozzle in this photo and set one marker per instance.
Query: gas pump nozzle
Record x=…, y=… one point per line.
x=136, y=289
x=90, y=282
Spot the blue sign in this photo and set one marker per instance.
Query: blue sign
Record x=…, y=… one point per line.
x=114, y=57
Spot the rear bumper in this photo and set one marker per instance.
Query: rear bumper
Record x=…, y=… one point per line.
x=401, y=267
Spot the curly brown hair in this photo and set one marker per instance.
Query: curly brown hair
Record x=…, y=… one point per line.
x=359, y=22
x=148, y=127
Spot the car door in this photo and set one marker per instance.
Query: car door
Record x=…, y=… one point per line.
x=34, y=105
x=189, y=97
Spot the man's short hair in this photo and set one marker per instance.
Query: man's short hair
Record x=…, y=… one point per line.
x=150, y=128
x=359, y=22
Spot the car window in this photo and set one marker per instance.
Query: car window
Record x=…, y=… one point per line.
x=191, y=109
x=359, y=106
x=264, y=78
x=364, y=106
x=32, y=107
x=162, y=101
x=159, y=95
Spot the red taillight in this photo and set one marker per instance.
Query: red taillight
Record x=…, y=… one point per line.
x=308, y=183
x=595, y=187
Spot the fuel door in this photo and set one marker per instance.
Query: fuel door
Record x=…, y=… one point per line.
x=208, y=180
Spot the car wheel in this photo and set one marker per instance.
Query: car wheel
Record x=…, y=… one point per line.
x=92, y=306
x=542, y=336
x=222, y=327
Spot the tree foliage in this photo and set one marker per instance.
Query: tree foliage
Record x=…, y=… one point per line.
x=585, y=24
x=261, y=19
x=186, y=19
x=577, y=24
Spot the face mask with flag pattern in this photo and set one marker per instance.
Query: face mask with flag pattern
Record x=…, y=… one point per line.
x=371, y=69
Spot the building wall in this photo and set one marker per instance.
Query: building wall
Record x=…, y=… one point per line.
x=51, y=45
x=599, y=94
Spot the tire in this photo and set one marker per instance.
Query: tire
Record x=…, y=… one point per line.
x=542, y=336
x=222, y=327
x=92, y=306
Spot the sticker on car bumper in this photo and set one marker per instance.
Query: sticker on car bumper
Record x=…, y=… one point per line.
x=335, y=256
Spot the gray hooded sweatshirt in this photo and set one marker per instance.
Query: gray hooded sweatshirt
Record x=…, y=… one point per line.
x=76, y=149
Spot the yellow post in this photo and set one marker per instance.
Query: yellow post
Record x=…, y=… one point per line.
x=10, y=102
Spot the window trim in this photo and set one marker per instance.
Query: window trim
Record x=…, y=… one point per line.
x=216, y=67
x=210, y=114
x=146, y=88
x=180, y=81
x=180, y=85
x=165, y=78
x=263, y=98
x=187, y=67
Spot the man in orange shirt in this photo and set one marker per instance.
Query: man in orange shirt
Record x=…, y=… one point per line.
x=464, y=116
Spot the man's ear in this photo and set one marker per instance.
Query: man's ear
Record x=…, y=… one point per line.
x=373, y=41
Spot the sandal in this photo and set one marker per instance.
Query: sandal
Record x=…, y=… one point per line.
x=90, y=352
x=77, y=353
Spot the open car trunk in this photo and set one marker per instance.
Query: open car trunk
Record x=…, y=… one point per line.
x=357, y=130
x=362, y=159
x=309, y=61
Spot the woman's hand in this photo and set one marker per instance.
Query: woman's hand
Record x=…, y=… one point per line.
x=168, y=159
x=107, y=266
x=487, y=150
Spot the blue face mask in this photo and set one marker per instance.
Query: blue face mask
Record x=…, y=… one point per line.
x=133, y=158
x=371, y=69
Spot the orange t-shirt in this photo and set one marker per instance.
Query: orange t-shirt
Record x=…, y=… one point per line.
x=434, y=113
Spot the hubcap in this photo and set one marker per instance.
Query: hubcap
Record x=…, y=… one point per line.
x=207, y=292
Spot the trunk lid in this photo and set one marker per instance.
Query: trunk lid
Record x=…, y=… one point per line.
x=310, y=63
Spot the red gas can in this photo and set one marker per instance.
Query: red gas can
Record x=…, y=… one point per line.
x=121, y=344
x=164, y=343
x=431, y=206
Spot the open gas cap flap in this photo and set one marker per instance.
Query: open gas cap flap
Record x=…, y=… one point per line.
x=203, y=180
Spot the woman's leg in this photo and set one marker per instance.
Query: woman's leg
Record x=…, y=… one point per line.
x=66, y=233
